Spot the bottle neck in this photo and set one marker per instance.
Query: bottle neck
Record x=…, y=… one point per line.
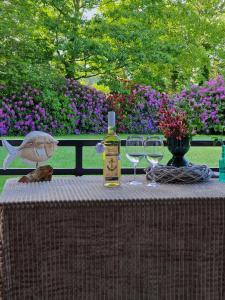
x=223, y=151
x=111, y=122
x=111, y=130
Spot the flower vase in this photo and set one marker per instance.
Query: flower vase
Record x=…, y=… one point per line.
x=178, y=148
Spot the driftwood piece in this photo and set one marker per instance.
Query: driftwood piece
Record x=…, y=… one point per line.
x=43, y=173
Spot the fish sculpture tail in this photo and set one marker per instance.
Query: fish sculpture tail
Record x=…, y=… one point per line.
x=12, y=153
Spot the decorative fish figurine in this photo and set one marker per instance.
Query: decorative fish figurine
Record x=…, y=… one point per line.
x=37, y=147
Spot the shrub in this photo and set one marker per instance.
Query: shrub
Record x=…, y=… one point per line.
x=88, y=105
x=24, y=111
x=137, y=110
x=205, y=105
x=74, y=108
x=3, y=123
x=58, y=107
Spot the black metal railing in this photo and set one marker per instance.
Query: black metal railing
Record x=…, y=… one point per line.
x=79, y=170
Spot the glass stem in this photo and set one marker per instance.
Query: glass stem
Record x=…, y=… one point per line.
x=135, y=166
x=153, y=174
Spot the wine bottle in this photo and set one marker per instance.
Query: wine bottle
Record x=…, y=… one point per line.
x=222, y=166
x=111, y=155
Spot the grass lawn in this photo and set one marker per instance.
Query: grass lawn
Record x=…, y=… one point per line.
x=64, y=157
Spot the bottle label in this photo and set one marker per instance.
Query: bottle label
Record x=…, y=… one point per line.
x=111, y=170
x=111, y=162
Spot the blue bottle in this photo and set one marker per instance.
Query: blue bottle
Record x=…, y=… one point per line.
x=222, y=166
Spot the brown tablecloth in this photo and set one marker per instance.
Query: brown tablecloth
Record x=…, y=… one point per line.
x=74, y=239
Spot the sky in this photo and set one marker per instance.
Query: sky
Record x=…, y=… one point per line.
x=88, y=14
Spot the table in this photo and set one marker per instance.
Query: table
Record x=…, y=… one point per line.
x=74, y=239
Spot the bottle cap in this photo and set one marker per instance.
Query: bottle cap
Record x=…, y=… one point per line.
x=111, y=119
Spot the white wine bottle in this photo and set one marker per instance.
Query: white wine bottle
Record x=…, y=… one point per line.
x=111, y=155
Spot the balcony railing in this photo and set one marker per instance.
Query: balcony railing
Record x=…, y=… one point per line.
x=79, y=170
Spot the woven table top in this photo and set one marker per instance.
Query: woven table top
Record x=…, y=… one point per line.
x=90, y=188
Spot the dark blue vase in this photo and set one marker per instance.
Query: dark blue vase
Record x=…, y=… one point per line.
x=178, y=148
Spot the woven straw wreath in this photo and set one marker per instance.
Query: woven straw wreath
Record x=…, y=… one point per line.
x=189, y=174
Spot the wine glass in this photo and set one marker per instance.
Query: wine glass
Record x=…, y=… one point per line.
x=134, y=153
x=154, y=150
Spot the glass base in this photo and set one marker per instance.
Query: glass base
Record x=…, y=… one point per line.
x=112, y=184
x=134, y=182
x=153, y=184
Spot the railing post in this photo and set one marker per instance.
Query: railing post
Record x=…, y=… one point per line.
x=79, y=160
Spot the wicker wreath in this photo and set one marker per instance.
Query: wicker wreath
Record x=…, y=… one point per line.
x=189, y=174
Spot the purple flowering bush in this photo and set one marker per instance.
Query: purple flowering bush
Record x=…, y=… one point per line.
x=3, y=123
x=75, y=108
x=28, y=110
x=72, y=110
x=205, y=105
x=23, y=112
x=136, y=110
x=88, y=106
x=147, y=104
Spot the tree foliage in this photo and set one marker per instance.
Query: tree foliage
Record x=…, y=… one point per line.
x=174, y=42
x=165, y=43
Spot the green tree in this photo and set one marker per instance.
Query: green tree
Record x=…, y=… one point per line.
x=52, y=37
x=165, y=43
x=173, y=42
